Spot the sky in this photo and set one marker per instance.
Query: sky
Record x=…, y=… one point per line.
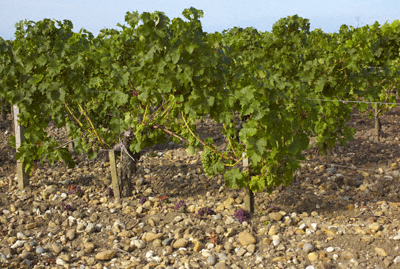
x=219, y=15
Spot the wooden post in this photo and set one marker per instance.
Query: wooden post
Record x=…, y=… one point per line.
x=248, y=194
x=19, y=138
x=377, y=123
x=114, y=177
x=328, y=152
x=70, y=145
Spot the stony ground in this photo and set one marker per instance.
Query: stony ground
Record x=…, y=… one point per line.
x=343, y=216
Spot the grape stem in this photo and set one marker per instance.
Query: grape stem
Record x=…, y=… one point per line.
x=171, y=133
x=230, y=143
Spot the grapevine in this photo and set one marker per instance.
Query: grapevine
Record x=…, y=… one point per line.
x=155, y=77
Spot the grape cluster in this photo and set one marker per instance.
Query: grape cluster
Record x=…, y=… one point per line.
x=241, y=215
x=143, y=200
x=181, y=206
x=208, y=159
x=204, y=211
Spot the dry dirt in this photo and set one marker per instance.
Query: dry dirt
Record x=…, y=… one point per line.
x=368, y=177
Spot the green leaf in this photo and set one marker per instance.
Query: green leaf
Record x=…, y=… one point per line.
x=234, y=179
x=191, y=150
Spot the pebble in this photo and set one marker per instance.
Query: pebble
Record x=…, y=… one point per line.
x=221, y=265
x=251, y=248
x=61, y=262
x=229, y=220
x=180, y=243
x=18, y=244
x=71, y=234
x=56, y=248
x=245, y=238
x=223, y=256
x=211, y=260
x=40, y=250
x=381, y=252
x=88, y=247
x=275, y=216
x=21, y=236
x=307, y=248
x=374, y=227
x=149, y=237
x=139, y=244
x=273, y=231
x=313, y=256
x=272, y=240
x=241, y=252
x=167, y=242
x=330, y=249
x=106, y=255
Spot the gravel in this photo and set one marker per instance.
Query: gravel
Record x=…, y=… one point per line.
x=330, y=216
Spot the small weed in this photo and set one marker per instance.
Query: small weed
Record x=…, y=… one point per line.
x=109, y=192
x=204, y=211
x=274, y=208
x=77, y=190
x=66, y=207
x=143, y=200
x=181, y=206
x=242, y=215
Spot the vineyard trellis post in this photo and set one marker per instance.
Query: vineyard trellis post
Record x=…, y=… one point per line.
x=22, y=176
x=114, y=177
x=248, y=193
x=377, y=123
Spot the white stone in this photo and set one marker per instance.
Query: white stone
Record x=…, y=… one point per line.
x=309, y=232
x=302, y=226
x=61, y=262
x=276, y=242
x=335, y=256
x=138, y=243
x=149, y=254
x=275, y=237
x=205, y=252
x=18, y=244
x=157, y=259
x=229, y=220
x=210, y=246
x=178, y=219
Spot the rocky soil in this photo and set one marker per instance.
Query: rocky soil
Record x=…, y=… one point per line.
x=332, y=216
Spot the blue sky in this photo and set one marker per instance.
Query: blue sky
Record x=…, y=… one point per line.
x=219, y=15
